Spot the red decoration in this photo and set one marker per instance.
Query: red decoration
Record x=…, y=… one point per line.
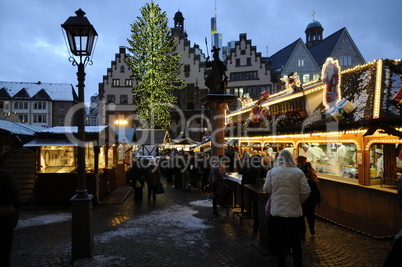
x=398, y=97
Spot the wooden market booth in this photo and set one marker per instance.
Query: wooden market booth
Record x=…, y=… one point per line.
x=56, y=163
x=358, y=185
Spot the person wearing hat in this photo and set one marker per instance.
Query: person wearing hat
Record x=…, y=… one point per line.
x=380, y=162
x=309, y=153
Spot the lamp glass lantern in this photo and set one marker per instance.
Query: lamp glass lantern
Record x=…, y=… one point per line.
x=80, y=34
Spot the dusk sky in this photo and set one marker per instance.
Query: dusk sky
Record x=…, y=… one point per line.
x=32, y=46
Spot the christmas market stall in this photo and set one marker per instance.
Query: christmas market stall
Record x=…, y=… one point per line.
x=56, y=163
x=348, y=125
x=19, y=161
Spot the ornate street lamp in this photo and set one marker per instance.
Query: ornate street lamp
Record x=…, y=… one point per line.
x=81, y=36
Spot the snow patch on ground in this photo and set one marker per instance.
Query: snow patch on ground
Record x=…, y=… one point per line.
x=44, y=220
x=100, y=260
x=202, y=203
x=175, y=223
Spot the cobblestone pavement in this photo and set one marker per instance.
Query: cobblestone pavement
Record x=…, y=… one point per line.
x=173, y=232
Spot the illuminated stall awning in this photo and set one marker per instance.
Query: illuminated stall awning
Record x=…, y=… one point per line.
x=50, y=142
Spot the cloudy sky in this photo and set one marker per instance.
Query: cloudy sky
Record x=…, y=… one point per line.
x=32, y=46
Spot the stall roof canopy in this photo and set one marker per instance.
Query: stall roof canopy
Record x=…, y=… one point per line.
x=18, y=128
x=50, y=142
x=74, y=129
x=66, y=136
x=150, y=137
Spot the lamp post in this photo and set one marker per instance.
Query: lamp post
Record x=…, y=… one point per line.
x=81, y=37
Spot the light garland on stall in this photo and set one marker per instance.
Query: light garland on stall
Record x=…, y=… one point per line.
x=377, y=92
x=329, y=141
x=367, y=148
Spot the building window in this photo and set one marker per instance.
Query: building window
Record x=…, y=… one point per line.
x=23, y=118
x=306, y=78
x=4, y=105
x=61, y=119
x=316, y=77
x=62, y=106
x=122, y=69
x=123, y=99
x=21, y=105
x=94, y=121
x=187, y=70
x=237, y=62
x=39, y=105
x=238, y=76
x=242, y=52
x=128, y=82
x=116, y=82
x=190, y=92
x=110, y=98
x=345, y=60
x=39, y=118
x=300, y=62
x=252, y=90
x=252, y=75
x=238, y=91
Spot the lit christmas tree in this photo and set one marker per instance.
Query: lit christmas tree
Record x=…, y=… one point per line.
x=155, y=67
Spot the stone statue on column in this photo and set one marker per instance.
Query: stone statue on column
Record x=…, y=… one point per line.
x=217, y=80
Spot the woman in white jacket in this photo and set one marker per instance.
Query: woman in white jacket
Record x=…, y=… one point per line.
x=288, y=189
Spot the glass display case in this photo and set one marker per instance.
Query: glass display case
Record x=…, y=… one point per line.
x=63, y=159
x=57, y=159
x=338, y=159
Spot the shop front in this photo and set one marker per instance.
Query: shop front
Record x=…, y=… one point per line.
x=353, y=142
x=56, y=163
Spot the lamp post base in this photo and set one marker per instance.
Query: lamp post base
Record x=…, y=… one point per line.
x=82, y=242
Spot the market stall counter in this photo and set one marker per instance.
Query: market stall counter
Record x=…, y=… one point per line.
x=249, y=203
x=241, y=200
x=56, y=157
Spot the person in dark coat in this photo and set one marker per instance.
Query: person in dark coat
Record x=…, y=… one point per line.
x=137, y=173
x=9, y=206
x=153, y=175
x=314, y=198
x=217, y=186
x=252, y=175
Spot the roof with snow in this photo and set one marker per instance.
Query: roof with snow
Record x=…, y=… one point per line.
x=22, y=132
x=66, y=136
x=20, y=128
x=39, y=91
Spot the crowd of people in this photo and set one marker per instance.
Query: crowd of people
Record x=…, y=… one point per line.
x=292, y=185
